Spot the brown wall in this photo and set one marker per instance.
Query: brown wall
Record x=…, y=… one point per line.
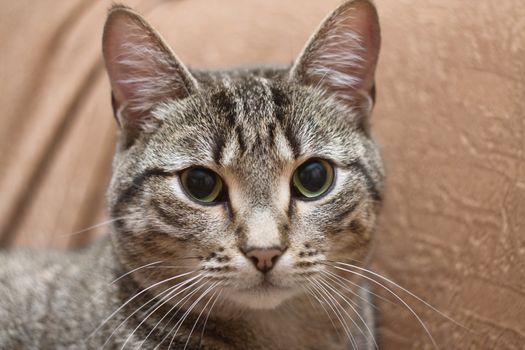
x=450, y=118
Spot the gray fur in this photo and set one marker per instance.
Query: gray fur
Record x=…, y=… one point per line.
x=252, y=127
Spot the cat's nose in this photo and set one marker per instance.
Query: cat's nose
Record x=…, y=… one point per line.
x=264, y=259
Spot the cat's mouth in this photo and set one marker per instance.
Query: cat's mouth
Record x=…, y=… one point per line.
x=265, y=286
x=263, y=295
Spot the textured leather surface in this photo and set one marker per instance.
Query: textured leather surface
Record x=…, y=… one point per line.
x=450, y=118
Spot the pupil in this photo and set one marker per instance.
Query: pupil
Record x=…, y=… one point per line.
x=200, y=183
x=313, y=176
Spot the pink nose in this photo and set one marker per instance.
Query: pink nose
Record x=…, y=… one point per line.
x=264, y=259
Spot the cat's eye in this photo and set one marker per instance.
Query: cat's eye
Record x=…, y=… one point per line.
x=202, y=184
x=313, y=178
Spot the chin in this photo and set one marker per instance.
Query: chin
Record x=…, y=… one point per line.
x=262, y=297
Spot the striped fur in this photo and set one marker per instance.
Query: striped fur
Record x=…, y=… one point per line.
x=253, y=127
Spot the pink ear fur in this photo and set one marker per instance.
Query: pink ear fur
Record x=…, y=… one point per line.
x=142, y=69
x=342, y=55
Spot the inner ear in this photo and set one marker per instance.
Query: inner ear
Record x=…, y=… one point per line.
x=341, y=57
x=142, y=69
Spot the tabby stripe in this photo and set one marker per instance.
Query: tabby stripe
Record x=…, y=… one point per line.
x=284, y=232
x=357, y=227
x=170, y=219
x=281, y=101
x=218, y=148
x=240, y=139
x=137, y=186
x=342, y=216
x=241, y=235
x=370, y=183
x=271, y=134
x=225, y=106
x=293, y=142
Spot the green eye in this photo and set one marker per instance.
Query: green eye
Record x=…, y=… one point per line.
x=313, y=178
x=201, y=184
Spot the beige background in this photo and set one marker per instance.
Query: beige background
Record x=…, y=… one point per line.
x=450, y=118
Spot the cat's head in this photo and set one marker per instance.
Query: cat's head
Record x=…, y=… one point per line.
x=252, y=181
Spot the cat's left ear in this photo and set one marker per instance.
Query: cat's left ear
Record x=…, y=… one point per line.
x=142, y=69
x=341, y=57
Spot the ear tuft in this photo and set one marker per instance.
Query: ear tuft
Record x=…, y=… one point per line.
x=342, y=56
x=142, y=69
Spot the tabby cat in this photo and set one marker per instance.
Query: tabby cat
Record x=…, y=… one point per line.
x=242, y=205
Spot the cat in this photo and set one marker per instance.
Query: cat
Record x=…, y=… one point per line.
x=243, y=205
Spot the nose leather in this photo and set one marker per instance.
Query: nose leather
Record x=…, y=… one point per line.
x=264, y=259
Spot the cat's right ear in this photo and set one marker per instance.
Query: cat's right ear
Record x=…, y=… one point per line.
x=142, y=69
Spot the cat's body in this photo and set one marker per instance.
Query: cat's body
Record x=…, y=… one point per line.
x=243, y=204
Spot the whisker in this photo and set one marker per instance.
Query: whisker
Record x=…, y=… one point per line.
x=355, y=311
x=398, y=298
x=89, y=228
x=406, y=291
x=310, y=292
x=97, y=294
x=328, y=299
x=349, y=290
x=169, y=291
x=341, y=279
x=335, y=303
x=181, y=321
x=183, y=300
x=171, y=267
x=200, y=314
x=208, y=316
x=146, y=266
x=133, y=298
x=186, y=299
x=134, y=270
x=162, y=302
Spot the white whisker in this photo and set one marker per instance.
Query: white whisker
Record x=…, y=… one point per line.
x=404, y=290
x=134, y=270
x=208, y=316
x=97, y=294
x=133, y=298
x=349, y=290
x=355, y=311
x=162, y=302
x=341, y=279
x=200, y=314
x=183, y=300
x=89, y=228
x=398, y=298
x=310, y=292
x=169, y=291
x=185, y=315
x=329, y=300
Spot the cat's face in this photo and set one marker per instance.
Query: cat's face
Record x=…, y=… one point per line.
x=252, y=181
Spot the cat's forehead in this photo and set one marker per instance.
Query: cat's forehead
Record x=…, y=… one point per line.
x=254, y=123
x=258, y=110
x=253, y=112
